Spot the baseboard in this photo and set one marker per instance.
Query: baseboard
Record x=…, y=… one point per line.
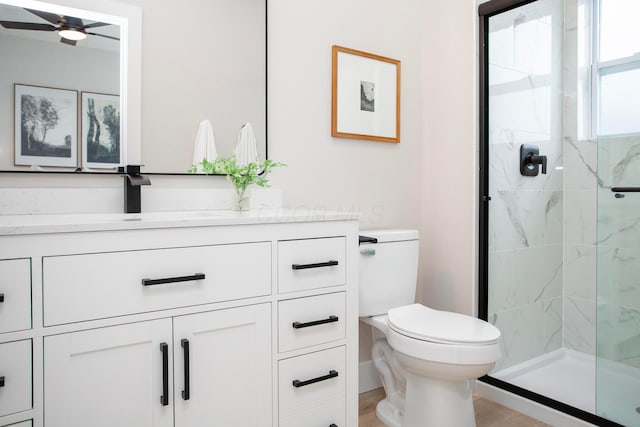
x=368, y=377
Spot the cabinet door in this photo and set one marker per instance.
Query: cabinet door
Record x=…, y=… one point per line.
x=229, y=360
x=109, y=377
x=15, y=377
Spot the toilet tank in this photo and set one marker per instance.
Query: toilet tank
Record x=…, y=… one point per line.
x=388, y=270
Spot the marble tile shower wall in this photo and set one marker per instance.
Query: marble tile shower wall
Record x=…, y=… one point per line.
x=618, y=238
x=526, y=213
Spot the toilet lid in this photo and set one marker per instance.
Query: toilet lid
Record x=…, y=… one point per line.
x=426, y=324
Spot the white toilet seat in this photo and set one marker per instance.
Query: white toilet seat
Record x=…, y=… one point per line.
x=454, y=354
x=426, y=324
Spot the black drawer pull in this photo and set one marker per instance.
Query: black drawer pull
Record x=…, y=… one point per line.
x=1, y=297
x=186, y=393
x=316, y=265
x=333, y=425
x=2, y=381
x=625, y=189
x=150, y=282
x=330, y=319
x=331, y=374
x=164, y=399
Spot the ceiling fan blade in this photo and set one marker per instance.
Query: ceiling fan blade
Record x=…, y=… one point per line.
x=67, y=41
x=96, y=24
x=27, y=26
x=102, y=35
x=47, y=16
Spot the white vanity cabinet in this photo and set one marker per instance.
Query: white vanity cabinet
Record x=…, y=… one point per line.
x=110, y=376
x=312, y=383
x=227, y=379
x=205, y=366
x=238, y=320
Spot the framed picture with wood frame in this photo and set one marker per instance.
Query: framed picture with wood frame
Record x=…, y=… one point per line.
x=365, y=96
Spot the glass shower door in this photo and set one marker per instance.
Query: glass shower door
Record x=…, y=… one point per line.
x=618, y=281
x=617, y=74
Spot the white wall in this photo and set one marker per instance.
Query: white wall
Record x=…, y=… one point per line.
x=381, y=180
x=449, y=159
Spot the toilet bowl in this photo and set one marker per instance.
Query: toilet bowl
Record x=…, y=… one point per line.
x=427, y=359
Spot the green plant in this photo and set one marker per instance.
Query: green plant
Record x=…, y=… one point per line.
x=240, y=176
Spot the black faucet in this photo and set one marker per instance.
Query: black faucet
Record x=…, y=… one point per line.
x=132, y=182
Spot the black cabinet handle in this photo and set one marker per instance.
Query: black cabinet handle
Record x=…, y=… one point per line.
x=151, y=282
x=2, y=381
x=625, y=189
x=333, y=425
x=316, y=265
x=330, y=319
x=186, y=393
x=164, y=399
x=1, y=297
x=331, y=374
x=366, y=239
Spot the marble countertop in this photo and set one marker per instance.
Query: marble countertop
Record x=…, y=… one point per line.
x=69, y=223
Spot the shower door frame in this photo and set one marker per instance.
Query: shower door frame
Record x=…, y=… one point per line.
x=486, y=11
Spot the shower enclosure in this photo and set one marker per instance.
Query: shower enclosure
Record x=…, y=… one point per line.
x=559, y=266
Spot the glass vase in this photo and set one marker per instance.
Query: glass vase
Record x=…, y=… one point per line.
x=241, y=200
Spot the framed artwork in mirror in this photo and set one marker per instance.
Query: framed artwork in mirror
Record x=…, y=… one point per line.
x=46, y=126
x=365, y=96
x=100, y=131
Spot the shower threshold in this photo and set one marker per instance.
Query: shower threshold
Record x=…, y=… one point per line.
x=570, y=377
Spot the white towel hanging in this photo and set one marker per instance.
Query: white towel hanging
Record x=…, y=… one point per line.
x=246, y=149
x=205, y=147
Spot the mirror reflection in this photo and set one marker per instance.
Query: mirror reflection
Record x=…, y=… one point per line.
x=203, y=84
x=210, y=69
x=63, y=73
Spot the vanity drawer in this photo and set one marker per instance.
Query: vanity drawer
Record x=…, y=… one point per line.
x=319, y=376
x=303, y=322
x=112, y=284
x=329, y=414
x=28, y=423
x=311, y=263
x=15, y=377
x=15, y=295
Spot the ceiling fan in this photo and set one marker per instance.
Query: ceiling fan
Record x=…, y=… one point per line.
x=69, y=28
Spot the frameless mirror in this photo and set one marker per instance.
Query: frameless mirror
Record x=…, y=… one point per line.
x=74, y=80
x=205, y=62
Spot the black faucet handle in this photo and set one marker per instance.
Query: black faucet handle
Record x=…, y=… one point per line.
x=540, y=160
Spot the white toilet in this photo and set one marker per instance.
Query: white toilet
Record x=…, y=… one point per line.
x=427, y=359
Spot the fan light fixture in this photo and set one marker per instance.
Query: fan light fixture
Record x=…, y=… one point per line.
x=71, y=34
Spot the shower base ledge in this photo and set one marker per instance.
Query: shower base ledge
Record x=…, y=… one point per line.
x=528, y=407
x=569, y=376
x=565, y=375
